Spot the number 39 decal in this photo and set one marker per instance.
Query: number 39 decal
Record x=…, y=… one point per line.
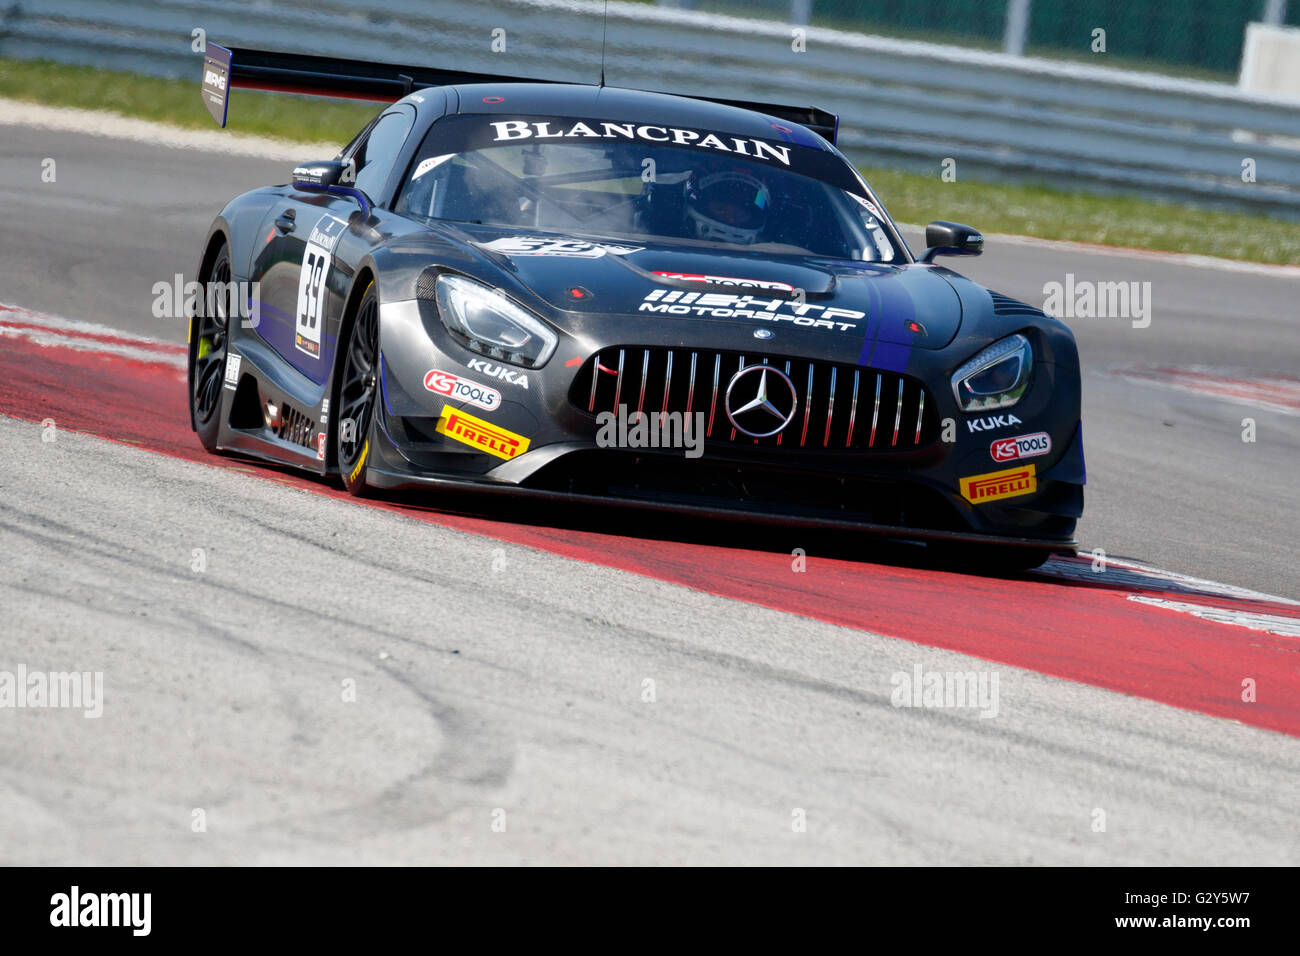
x=316, y=261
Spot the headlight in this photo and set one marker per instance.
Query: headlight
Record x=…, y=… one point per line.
x=995, y=378
x=486, y=321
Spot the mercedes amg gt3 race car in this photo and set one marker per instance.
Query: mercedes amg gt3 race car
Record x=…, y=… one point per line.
x=588, y=293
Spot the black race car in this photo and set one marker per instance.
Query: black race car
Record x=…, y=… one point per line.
x=581, y=292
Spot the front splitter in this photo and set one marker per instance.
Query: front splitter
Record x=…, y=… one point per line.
x=389, y=480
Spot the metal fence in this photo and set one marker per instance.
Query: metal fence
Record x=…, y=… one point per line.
x=1187, y=36
x=902, y=103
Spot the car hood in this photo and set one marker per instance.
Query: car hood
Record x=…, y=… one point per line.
x=838, y=301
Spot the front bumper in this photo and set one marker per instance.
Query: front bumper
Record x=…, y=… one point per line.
x=914, y=492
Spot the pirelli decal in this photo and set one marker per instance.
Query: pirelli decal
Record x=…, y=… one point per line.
x=1011, y=483
x=484, y=436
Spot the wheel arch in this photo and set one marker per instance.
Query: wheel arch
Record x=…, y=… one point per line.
x=365, y=276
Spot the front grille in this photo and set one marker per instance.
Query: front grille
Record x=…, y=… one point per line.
x=837, y=406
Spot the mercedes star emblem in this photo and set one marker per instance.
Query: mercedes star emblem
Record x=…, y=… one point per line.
x=772, y=406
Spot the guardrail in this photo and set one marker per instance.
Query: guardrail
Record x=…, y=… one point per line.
x=901, y=103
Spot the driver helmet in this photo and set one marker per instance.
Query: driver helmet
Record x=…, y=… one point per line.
x=729, y=206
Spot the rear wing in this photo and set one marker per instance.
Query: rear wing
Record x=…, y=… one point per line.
x=225, y=68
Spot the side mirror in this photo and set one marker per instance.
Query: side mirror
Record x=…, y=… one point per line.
x=951, y=239
x=331, y=176
x=325, y=173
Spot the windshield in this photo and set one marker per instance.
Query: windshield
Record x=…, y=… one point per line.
x=629, y=181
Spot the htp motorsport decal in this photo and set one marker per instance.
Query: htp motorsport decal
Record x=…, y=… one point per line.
x=563, y=129
x=724, y=305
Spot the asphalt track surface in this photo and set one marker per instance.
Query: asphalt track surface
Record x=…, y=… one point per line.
x=500, y=662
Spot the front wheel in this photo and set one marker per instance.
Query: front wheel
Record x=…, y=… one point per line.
x=358, y=393
x=210, y=334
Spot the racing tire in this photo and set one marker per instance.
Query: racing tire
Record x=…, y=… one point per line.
x=211, y=336
x=358, y=394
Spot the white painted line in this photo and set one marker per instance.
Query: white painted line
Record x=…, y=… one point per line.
x=1282, y=626
x=54, y=340
x=1129, y=574
x=1189, y=259
x=1208, y=388
x=16, y=313
x=55, y=332
x=65, y=119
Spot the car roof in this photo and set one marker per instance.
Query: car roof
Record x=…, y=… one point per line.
x=627, y=106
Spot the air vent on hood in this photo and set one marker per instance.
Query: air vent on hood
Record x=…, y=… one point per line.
x=426, y=286
x=1005, y=305
x=837, y=406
